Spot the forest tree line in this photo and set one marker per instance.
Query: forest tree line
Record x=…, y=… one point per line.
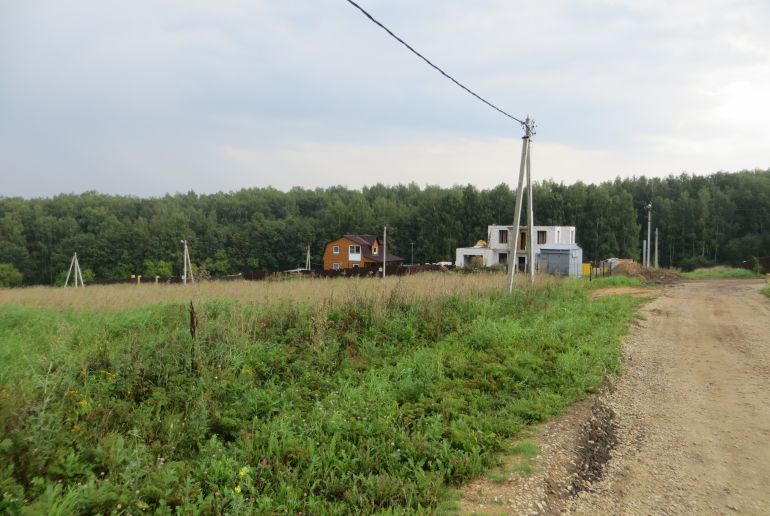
x=721, y=218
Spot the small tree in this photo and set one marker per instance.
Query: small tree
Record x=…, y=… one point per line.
x=9, y=275
x=160, y=268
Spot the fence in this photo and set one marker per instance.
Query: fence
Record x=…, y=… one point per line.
x=598, y=269
x=256, y=275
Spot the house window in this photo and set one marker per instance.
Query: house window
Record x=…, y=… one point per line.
x=541, y=237
x=356, y=266
x=558, y=236
x=523, y=241
x=336, y=249
x=503, y=236
x=503, y=258
x=336, y=266
x=374, y=250
x=354, y=249
x=572, y=236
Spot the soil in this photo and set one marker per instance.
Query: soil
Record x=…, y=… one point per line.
x=660, y=276
x=624, y=291
x=684, y=430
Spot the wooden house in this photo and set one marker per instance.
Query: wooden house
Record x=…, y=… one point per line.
x=352, y=251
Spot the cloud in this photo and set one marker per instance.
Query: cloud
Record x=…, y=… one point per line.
x=140, y=97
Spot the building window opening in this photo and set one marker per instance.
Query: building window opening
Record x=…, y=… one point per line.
x=542, y=236
x=503, y=236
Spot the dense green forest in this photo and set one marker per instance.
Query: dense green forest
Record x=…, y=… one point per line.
x=722, y=218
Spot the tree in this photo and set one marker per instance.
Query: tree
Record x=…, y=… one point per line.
x=160, y=268
x=9, y=275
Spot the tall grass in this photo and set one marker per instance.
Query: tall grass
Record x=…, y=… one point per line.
x=116, y=298
x=358, y=403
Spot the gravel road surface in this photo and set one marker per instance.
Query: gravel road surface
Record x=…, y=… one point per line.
x=685, y=429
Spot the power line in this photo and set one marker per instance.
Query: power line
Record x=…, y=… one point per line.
x=442, y=72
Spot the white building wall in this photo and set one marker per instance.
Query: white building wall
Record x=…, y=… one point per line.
x=554, y=235
x=489, y=256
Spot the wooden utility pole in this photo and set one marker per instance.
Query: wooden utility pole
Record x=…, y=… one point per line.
x=513, y=237
x=656, y=248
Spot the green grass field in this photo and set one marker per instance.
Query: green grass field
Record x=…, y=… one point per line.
x=333, y=407
x=766, y=291
x=720, y=272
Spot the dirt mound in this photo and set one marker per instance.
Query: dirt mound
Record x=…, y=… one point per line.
x=635, y=270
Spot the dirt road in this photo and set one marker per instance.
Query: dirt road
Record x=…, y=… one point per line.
x=689, y=431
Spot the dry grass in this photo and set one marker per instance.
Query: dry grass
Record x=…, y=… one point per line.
x=114, y=298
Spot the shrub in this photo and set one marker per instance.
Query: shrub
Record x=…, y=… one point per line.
x=9, y=275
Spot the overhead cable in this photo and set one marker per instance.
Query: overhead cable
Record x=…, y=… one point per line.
x=442, y=72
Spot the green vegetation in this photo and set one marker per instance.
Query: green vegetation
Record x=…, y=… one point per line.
x=527, y=451
x=160, y=268
x=720, y=272
x=9, y=276
x=766, y=291
x=613, y=281
x=722, y=218
x=346, y=407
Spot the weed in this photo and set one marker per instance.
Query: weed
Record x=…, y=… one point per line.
x=355, y=403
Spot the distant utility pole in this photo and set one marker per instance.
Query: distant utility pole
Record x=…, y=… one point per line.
x=307, y=259
x=513, y=238
x=412, y=252
x=656, y=248
x=644, y=253
x=75, y=266
x=649, y=233
x=187, y=264
x=384, y=250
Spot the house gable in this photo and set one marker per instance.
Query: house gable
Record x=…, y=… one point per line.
x=355, y=251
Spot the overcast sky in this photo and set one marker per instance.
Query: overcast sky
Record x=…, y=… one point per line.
x=148, y=97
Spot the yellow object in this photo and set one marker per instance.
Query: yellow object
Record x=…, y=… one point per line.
x=586, y=269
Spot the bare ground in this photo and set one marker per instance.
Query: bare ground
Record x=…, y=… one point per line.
x=685, y=429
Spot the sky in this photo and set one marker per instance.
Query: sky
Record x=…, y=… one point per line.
x=146, y=97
